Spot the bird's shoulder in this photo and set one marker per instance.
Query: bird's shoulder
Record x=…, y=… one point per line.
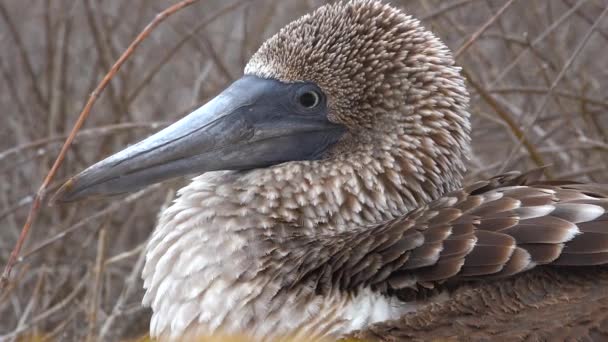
x=492, y=229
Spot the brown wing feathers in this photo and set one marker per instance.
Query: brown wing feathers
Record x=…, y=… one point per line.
x=491, y=229
x=504, y=226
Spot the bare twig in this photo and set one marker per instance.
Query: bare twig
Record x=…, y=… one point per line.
x=91, y=132
x=513, y=127
x=544, y=90
x=482, y=29
x=41, y=194
x=63, y=303
x=558, y=78
x=536, y=41
x=96, y=290
x=83, y=223
x=105, y=56
x=450, y=7
x=128, y=289
x=155, y=69
x=25, y=59
x=125, y=255
x=30, y=305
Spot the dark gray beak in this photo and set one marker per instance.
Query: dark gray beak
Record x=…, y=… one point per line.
x=254, y=123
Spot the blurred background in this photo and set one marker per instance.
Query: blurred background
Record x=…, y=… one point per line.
x=538, y=76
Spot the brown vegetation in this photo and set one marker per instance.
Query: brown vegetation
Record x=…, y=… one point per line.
x=537, y=72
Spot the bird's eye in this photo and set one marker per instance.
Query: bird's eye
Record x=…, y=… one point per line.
x=309, y=99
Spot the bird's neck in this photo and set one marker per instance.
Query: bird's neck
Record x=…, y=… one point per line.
x=345, y=191
x=208, y=260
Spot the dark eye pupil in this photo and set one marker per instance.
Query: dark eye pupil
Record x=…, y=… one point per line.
x=309, y=99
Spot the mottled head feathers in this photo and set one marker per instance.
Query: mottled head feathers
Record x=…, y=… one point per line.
x=390, y=81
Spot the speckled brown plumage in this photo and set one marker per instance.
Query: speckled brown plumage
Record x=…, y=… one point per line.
x=544, y=304
x=490, y=230
x=378, y=232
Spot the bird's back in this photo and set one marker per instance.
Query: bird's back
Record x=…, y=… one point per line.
x=521, y=259
x=544, y=304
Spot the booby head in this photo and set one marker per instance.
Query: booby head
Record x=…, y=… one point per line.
x=354, y=81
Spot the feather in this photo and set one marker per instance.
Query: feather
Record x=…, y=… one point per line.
x=497, y=224
x=489, y=255
x=578, y=212
x=579, y=259
x=588, y=242
x=425, y=255
x=543, y=253
x=499, y=206
x=520, y=261
x=545, y=229
x=477, y=271
x=440, y=271
x=502, y=230
x=456, y=247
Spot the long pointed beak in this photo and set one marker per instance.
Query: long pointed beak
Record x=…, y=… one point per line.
x=251, y=124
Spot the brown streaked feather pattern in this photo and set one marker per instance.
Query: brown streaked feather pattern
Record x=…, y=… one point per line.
x=544, y=304
x=328, y=246
x=491, y=229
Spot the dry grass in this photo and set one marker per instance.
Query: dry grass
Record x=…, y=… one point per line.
x=537, y=70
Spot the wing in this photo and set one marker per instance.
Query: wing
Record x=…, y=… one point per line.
x=544, y=304
x=492, y=229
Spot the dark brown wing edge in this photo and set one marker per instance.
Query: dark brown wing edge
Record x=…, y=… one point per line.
x=505, y=226
x=491, y=229
x=495, y=230
x=543, y=304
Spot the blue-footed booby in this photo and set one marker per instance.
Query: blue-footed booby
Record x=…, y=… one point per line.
x=329, y=197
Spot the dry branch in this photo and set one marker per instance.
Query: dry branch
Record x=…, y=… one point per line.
x=41, y=194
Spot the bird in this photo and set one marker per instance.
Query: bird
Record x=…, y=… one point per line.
x=328, y=200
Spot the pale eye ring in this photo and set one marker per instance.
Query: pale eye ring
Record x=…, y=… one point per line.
x=309, y=99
